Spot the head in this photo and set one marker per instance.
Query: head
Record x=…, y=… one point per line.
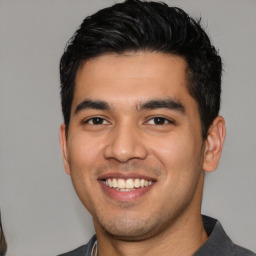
x=140, y=87
x=135, y=26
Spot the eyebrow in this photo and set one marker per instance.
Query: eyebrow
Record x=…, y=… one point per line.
x=92, y=104
x=168, y=103
x=148, y=105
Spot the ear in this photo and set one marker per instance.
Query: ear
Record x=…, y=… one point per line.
x=63, y=144
x=214, y=144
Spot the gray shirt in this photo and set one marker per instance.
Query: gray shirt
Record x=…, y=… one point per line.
x=217, y=244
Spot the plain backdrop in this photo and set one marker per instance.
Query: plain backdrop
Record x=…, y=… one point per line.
x=40, y=211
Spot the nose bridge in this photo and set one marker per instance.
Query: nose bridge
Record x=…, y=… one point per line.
x=125, y=143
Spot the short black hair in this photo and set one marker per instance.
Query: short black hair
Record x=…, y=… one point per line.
x=147, y=26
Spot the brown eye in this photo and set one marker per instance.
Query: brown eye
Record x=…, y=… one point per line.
x=158, y=120
x=96, y=121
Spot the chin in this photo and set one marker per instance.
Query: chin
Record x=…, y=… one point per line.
x=132, y=229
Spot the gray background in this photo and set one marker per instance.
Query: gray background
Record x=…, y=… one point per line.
x=40, y=211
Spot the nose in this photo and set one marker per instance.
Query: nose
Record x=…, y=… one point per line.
x=124, y=144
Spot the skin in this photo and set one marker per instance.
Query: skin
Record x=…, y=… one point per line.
x=128, y=140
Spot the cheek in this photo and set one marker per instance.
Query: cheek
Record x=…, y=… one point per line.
x=180, y=156
x=175, y=150
x=182, y=167
x=83, y=152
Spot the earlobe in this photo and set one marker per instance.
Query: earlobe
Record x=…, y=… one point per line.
x=214, y=144
x=63, y=144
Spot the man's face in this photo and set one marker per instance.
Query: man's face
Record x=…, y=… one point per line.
x=134, y=148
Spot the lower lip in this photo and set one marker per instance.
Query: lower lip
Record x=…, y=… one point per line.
x=125, y=195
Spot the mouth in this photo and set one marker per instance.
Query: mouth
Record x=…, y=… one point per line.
x=126, y=188
x=126, y=185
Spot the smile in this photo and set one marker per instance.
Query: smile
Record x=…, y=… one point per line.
x=126, y=185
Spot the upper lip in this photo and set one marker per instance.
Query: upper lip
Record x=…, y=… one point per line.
x=125, y=176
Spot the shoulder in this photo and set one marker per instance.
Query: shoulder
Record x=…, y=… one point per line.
x=240, y=251
x=218, y=242
x=84, y=250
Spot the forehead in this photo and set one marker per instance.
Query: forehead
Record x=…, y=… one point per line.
x=132, y=77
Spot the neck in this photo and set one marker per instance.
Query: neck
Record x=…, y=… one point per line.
x=182, y=238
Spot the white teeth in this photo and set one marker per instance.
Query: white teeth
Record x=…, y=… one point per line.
x=109, y=183
x=114, y=183
x=125, y=189
x=137, y=183
x=121, y=183
x=127, y=185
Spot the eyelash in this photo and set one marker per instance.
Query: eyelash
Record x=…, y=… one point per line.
x=101, y=121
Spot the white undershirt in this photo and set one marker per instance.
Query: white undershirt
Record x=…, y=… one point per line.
x=94, y=249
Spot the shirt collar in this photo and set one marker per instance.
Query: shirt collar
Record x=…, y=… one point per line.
x=218, y=243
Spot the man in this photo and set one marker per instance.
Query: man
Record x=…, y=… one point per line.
x=140, y=90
